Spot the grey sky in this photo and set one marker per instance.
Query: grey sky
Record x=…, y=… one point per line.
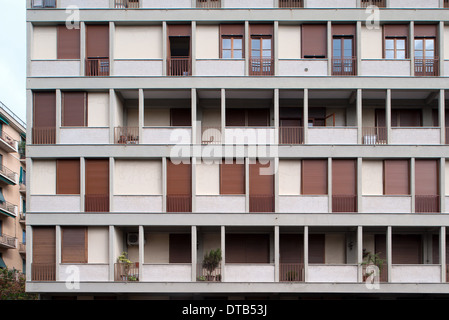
x=13, y=56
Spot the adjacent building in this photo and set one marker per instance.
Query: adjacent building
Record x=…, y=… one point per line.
x=162, y=130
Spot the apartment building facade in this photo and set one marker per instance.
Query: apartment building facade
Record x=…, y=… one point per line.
x=167, y=129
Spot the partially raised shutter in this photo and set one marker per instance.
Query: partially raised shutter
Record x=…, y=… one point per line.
x=68, y=176
x=74, y=245
x=314, y=176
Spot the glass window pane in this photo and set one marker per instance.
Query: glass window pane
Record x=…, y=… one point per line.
x=266, y=43
x=400, y=43
x=418, y=44
x=430, y=54
x=389, y=54
x=226, y=43
x=389, y=44
x=255, y=43
x=226, y=54
x=347, y=44
x=238, y=44
x=337, y=44
x=400, y=54
x=429, y=44
x=255, y=53
x=238, y=54
x=266, y=53
x=419, y=54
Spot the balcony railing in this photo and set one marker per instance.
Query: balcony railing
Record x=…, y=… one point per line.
x=43, y=272
x=127, y=135
x=211, y=135
x=209, y=4
x=8, y=207
x=291, y=4
x=261, y=203
x=291, y=135
x=375, y=275
x=44, y=4
x=427, y=67
x=127, y=4
x=291, y=272
x=45, y=135
x=179, y=66
x=261, y=66
x=344, y=203
x=202, y=274
x=377, y=3
x=7, y=241
x=374, y=135
x=7, y=173
x=427, y=203
x=22, y=248
x=179, y=203
x=126, y=271
x=97, y=67
x=8, y=139
x=96, y=203
x=446, y=3
x=344, y=66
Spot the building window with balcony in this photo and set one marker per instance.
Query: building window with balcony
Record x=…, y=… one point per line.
x=395, y=48
x=261, y=61
x=74, y=245
x=343, y=56
x=97, y=50
x=44, y=4
x=425, y=49
x=232, y=47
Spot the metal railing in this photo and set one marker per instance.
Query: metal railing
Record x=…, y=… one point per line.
x=377, y=3
x=427, y=203
x=291, y=272
x=97, y=67
x=374, y=135
x=22, y=248
x=427, y=67
x=381, y=275
x=43, y=4
x=261, y=203
x=8, y=139
x=344, y=203
x=202, y=274
x=344, y=66
x=44, y=135
x=209, y=4
x=8, y=207
x=179, y=66
x=291, y=4
x=96, y=203
x=7, y=240
x=446, y=4
x=43, y=271
x=127, y=4
x=126, y=271
x=127, y=135
x=261, y=66
x=211, y=135
x=7, y=172
x=291, y=135
x=179, y=203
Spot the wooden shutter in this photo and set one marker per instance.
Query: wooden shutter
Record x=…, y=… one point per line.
x=396, y=30
x=97, y=176
x=343, y=29
x=247, y=248
x=180, y=248
x=426, y=177
x=396, y=177
x=291, y=248
x=74, y=109
x=261, y=184
x=344, y=177
x=232, y=30
x=425, y=30
x=68, y=176
x=314, y=41
x=68, y=43
x=179, y=178
x=44, y=245
x=74, y=245
x=232, y=178
x=316, y=248
x=258, y=117
x=314, y=177
x=179, y=30
x=407, y=249
x=44, y=109
x=97, y=41
x=180, y=117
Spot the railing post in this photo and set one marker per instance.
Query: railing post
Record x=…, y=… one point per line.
x=306, y=254
x=443, y=254
x=276, y=253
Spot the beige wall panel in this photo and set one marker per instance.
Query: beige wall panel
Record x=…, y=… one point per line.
x=156, y=248
x=211, y=117
x=98, y=244
x=44, y=43
x=211, y=241
x=289, y=42
x=446, y=178
x=335, y=248
x=98, y=109
x=138, y=42
x=372, y=177
x=118, y=243
x=157, y=118
x=132, y=118
x=446, y=42
x=289, y=177
x=137, y=177
x=368, y=119
x=207, y=179
x=207, y=42
x=371, y=43
x=118, y=111
x=368, y=242
x=43, y=177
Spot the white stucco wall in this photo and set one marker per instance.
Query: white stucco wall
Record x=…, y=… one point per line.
x=44, y=43
x=371, y=43
x=207, y=42
x=137, y=177
x=156, y=248
x=289, y=177
x=138, y=42
x=289, y=39
x=372, y=177
x=98, y=109
x=43, y=177
x=207, y=179
x=98, y=244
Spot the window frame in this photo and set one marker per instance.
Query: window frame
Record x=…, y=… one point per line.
x=232, y=50
x=395, y=50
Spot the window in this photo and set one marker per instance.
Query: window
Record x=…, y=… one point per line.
x=425, y=48
x=232, y=178
x=314, y=41
x=74, y=109
x=232, y=47
x=74, y=245
x=342, y=54
x=396, y=177
x=261, y=47
x=395, y=48
x=180, y=248
x=256, y=117
x=69, y=45
x=247, y=248
x=314, y=177
x=68, y=176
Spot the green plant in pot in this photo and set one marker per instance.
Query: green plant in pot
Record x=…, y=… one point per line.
x=211, y=261
x=371, y=259
x=123, y=259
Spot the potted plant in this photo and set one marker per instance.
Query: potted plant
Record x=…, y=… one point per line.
x=126, y=263
x=371, y=259
x=210, y=262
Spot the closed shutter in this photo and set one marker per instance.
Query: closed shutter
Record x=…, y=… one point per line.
x=74, y=109
x=396, y=30
x=44, y=109
x=180, y=117
x=426, y=177
x=68, y=176
x=179, y=30
x=291, y=248
x=247, y=248
x=179, y=178
x=314, y=177
x=235, y=118
x=74, y=245
x=44, y=245
x=316, y=248
x=314, y=41
x=343, y=177
x=258, y=117
x=180, y=248
x=68, y=43
x=396, y=177
x=97, y=176
x=232, y=30
x=261, y=179
x=425, y=30
x=97, y=41
x=406, y=118
x=407, y=249
x=232, y=178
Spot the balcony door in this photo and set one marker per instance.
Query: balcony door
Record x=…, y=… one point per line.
x=343, y=55
x=261, y=55
x=425, y=59
x=179, y=50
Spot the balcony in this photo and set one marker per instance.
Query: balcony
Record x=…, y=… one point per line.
x=427, y=203
x=126, y=135
x=203, y=274
x=126, y=271
x=22, y=218
x=291, y=135
x=208, y=4
x=427, y=67
x=291, y=272
x=44, y=135
x=7, y=143
x=7, y=175
x=8, y=209
x=96, y=203
x=377, y=3
x=179, y=66
x=97, y=67
x=7, y=242
x=415, y=135
x=126, y=4
x=43, y=271
x=344, y=203
x=22, y=248
x=374, y=135
x=261, y=203
x=261, y=66
x=179, y=203
x=291, y=4
x=344, y=66
x=43, y=4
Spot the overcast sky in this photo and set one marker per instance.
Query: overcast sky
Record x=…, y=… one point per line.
x=13, y=55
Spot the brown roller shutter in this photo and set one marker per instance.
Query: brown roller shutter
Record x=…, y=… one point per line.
x=232, y=29
x=97, y=41
x=426, y=177
x=44, y=109
x=179, y=30
x=291, y=248
x=343, y=177
x=74, y=109
x=314, y=41
x=396, y=177
x=316, y=248
x=232, y=178
x=236, y=117
x=180, y=248
x=97, y=176
x=435, y=249
x=343, y=29
x=180, y=117
x=247, y=248
x=74, y=245
x=406, y=118
x=258, y=117
x=68, y=176
x=179, y=178
x=396, y=30
x=261, y=29
x=44, y=245
x=68, y=43
x=314, y=177
x=235, y=248
x=425, y=30
x=407, y=249
x=261, y=182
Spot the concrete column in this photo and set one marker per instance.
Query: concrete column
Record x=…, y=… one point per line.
x=412, y=183
x=193, y=100
x=359, y=111
x=247, y=184
x=442, y=186
x=388, y=115
x=82, y=48
x=111, y=116
x=29, y=49
x=276, y=253
x=164, y=184
x=276, y=47
x=194, y=252
x=82, y=183
x=58, y=251
x=141, y=252
x=389, y=252
x=329, y=48
x=29, y=128
x=442, y=114
x=164, y=48
x=111, y=252
x=193, y=46
x=412, y=48
x=111, y=47
x=443, y=253
x=305, y=114
x=141, y=114
x=306, y=253
x=276, y=116
x=358, y=40
x=58, y=115
x=441, y=44
x=359, y=185
x=329, y=182
x=223, y=115
x=29, y=251
x=247, y=52
x=276, y=184
x=111, y=183
x=193, y=160
x=359, y=253
x=223, y=252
